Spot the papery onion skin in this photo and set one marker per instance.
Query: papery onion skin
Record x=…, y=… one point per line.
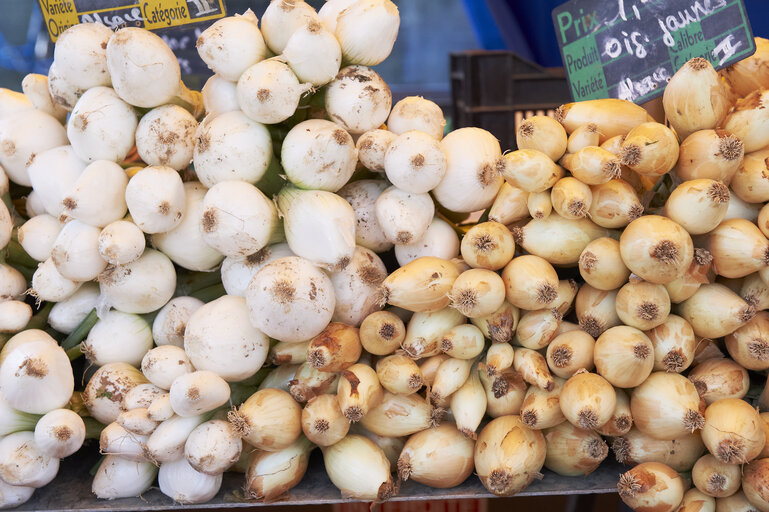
x=651, y=486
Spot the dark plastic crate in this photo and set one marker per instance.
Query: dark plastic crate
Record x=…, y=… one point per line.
x=496, y=90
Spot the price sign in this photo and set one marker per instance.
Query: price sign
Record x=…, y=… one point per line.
x=629, y=49
x=150, y=14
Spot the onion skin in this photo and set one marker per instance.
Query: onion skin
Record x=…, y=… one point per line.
x=656, y=249
x=733, y=431
x=572, y=451
x=440, y=457
x=719, y=378
x=681, y=414
x=635, y=447
x=611, y=116
x=754, y=483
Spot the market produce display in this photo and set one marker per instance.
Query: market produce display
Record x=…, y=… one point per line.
x=229, y=279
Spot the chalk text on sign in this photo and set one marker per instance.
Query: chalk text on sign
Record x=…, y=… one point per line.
x=633, y=44
x=629, y=89
x=725, y=49
x=675, y=22
x=133, y=17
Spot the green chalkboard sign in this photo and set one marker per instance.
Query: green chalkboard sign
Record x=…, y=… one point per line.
x=629, y=49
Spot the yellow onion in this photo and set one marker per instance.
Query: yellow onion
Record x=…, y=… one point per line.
x=755, y=291
x=531, y=282
x=288, y=353
x=508, y=455
x=733, y=431
x=588, y=400
x=464, y=341
x=530, y=170
x=596, y=310
x=537, y=328
x=696, y=275
x=541, y=409
x=749, y=345
x=673, y=343
x=359, y=468
x=614, y=204
x=624, y=356
x=698, y=205
x=592, y=165
x=559, y=241
x=510, y=205
x=499, y=357
x=269, y=420
x=695, y=501
x=642, y=305
x=706, y=349
x=748, y=120
x=750, y=181
x=477, y=292
x=399, y=415
x=544, y=134
x=571, y=198
x=429, y=366
x=449, y=377
x=709, y=154
x=762, y=221
x=504, y=393
x=650, y=149
x=715, y=311
x=499, y=326
x=601, y=265
x=421, y=285
x=425, y=331
x=468, y=405
x=695, y=98
x=391, y=446
x=382, y=332
x=750, y=73
x=656, y=249
x=569, y=352
x=666, y=406
x=309, y=382
x=572, y=451
x=611, y=116
x=323, y=422
x=754, y=483
x=651, y=486
x=621, y=420
x=359, y=391
x=719, y=378
x=567, y=292
x=716, y=478
x=765, y=418
x=539, y=204
x=738, y=247
x=582, y=136
x=399, y=374
x=533, y=368
x=440, y=457
x=635, y=447
x=735, y=503
x=336, y=347
x=488, y=245
x=272, y=474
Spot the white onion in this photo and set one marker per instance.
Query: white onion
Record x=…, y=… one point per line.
x=98, y=196
x=290, y=300
x=415, y=162
x=282, y=18
x=213, y=447
x=171, y=321
x=118, y=337
x=25, y=135
x=14, y=495
x=35, y=88
x=166, y=136
x=12, y=283
x=102, y=126
x=104, y=393
x=358, y=99
x=440, y=240
x=269, y=92
x=198, y=392
x=38, y=234
x=60, y=433
x=23, y=464
x=356, y=287
x=329, y=12
x=49, y=285
x=231, y=45
x=156, y=199
x=184, y=484
x=120, y=478
x=220, y=96
x=237, y=218
x=62, y=92
x=417, y=113
x=367, y=31
x=372, y=147
x=362, y=196
x=52, y=174
x=80, y=55
x=404, y=216
x=220, y=338
x=471, y=182
x=318, y=154
x=139, y=287
x=75, y=252
x=237, y=272
x=162, y=365
x=319, y=226
x=313, y=53
x=231, y=147
x=184, y=244
x=14, y=315
x=121, y=242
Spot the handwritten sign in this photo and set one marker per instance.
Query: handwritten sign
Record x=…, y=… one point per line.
x=150, y=14
x=629, y=49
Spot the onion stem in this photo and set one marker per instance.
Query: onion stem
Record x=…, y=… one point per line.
x=209, y=293
x=80, y=332
x=93, y=427
x=40, y=320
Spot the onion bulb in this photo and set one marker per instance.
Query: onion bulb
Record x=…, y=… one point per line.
x=642, y=305
x=269, y=420
x=652, y=486
x=440, y=457
x=718, y=378
x=359, y=468
x=569, y=352
x=541, y=409
x=666, y=406
x=650, y=149
x=733, y=431
x=749, y=345
x=674, y=343
x=715, y=478
x=508, y=455
x=588, y=400
x=367, y=30
x=421, y=285
x=715, y=311
x=544, y=134
x=272, y=474
x=323, y=422
x=709, y=154
x=656, y=249
x=624, y=356
x=572, y=451
x=681, y=453
x=358, y=99
x=382, y=332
